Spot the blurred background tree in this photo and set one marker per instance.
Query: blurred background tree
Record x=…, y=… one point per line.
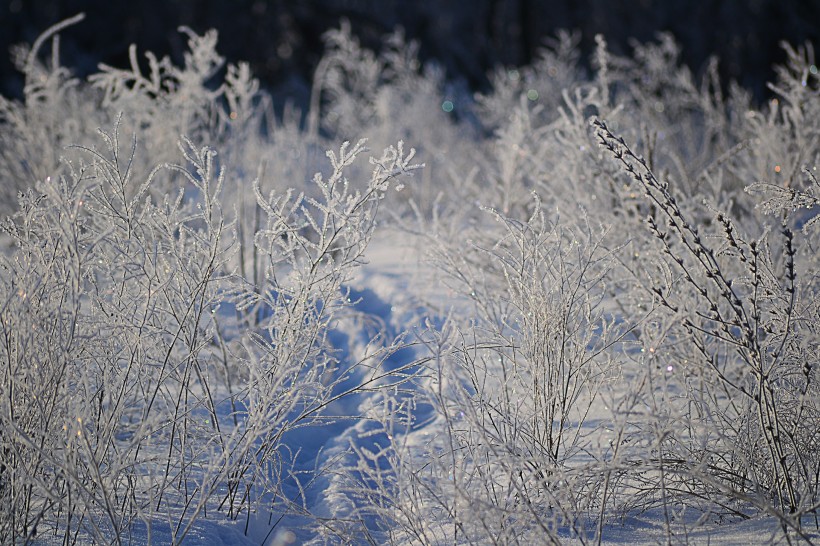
x=282, y=39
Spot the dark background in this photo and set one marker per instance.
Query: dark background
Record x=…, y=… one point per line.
x=282, y=39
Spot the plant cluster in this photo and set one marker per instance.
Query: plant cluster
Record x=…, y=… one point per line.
x=624, y=324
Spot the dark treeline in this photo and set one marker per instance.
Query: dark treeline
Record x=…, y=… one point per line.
x=282, y=39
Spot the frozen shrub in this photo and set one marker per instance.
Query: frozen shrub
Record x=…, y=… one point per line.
x=783, y=139
x=157, y=106
x=130, y=395
x=100, y=347
x=554, y=71
x=739, y=340
x=190, y=99
x=392, y=96
x=508, y=452
x=34, y=132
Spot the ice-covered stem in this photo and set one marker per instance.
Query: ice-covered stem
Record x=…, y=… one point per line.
x=658, y=193
x=51, y=31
